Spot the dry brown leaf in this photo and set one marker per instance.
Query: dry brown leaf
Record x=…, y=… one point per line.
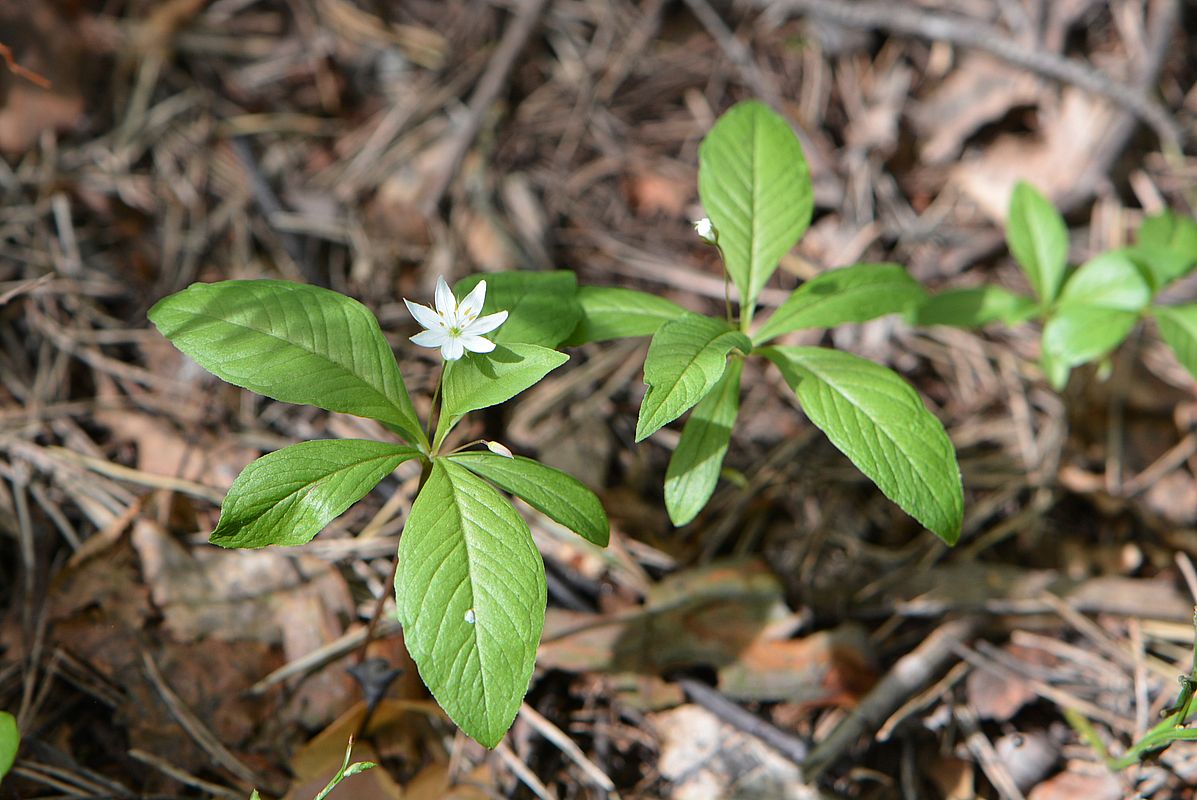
x=999, y=695
x=707, y=759
x=1053, y=161
x=980, y=90
x=826, y=668
x=651, y=193
x=1098, y=785
x=702, y=616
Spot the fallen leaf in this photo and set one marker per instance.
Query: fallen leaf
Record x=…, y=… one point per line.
x=1098, y=785
x=828, y=668
x=979, y=91
x=707, y=759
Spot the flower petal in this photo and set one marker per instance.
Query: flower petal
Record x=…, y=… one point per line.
x=433, y=338
x=424, y=315
x=446, y=303
x=452, y=348
x=485, y=324
x=469, y=308
x=476, y=344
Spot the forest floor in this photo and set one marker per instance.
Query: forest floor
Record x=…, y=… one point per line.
x=369, y=147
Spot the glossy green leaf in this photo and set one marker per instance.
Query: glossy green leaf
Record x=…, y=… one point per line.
x=876, y=419
x=288, y=496
x=611, y=312
x=1098, y=307
x=1167, y=247
x=294, y=343
x=686, y=358
x=696, y=462
x=1178, y=326
x=1080, y=334
x=1038, y=239
x=481, y=380
x=542, y=307
x=755, y=186
x=975, y=307
x=10, y=742
x=857, y=293
x=471, y=597
x=1111, y=280
x=557, y=495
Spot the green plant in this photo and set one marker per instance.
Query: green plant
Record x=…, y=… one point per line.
x=346, y=770
x=10, y=742
x=1170, y=729
x=755, y=184
x=470, y=584
x=1088, y=311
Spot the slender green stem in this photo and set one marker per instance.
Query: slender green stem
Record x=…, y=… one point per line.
x=434, y=409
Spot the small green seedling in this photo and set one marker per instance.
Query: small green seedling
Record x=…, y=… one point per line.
x=347, y=770
x=755, y=185
x=470, y=585
x=1170, y=729
x=1086, y=312
x=10, y=742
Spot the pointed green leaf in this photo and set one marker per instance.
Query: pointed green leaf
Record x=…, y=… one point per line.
x=876, y=419
x=471, y=597
x=1080, y=334
x=1098, y=307
x=481, y=380
x=557, y=495
x=288, y=496
x=686, y=359
x=611, y=312
x=10, y=742
x=1166, y=248
x=1178, y=326
x=975, y=307
x=1038, y=239
x=857, y=293
x=294, y=343
x=755, y=185
x=1111, y=280
x=695, y=465
x=542, y=307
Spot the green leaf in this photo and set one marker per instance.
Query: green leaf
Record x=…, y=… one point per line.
x=974, y=307
x=542, y=307
x=1178, y=326
x=610, y=312
x=482, y=380
x=1111, y=280
x=755, y=185
x=557, y=495
x=10, y=742
x=1080, y=334
x=694, y=467
x=294, y=343
x=288, y=496
x=1169, y=231
x=347, y=770
x=1038, y=238
x=471, y=597
x=876, y=419
x=1098, y=307
x=850, y=294
x=686, y=358
x=1167, y=247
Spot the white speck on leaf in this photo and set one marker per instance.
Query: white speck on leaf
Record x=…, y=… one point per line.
x=470, y=617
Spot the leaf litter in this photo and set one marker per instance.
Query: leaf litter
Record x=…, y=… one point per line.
x=202, y=141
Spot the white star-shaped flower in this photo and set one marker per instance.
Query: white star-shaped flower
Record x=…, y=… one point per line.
x=706, y=231
x=455, y=327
